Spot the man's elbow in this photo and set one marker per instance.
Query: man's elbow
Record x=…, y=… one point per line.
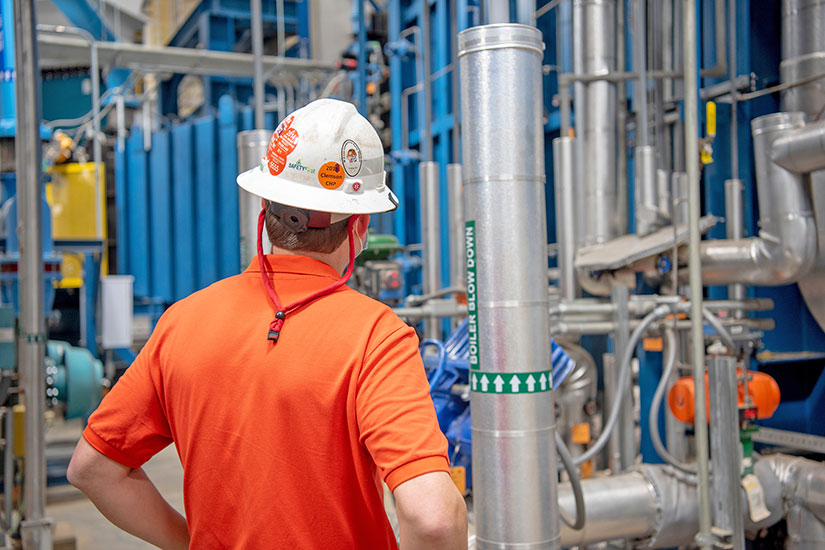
x=443, y=524
x=79, y=472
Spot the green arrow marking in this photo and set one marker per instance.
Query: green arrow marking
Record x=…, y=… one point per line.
x=511, y=382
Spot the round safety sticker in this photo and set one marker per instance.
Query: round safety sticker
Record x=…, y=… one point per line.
x=351, y=158
x=283, y=142
x=331, y=175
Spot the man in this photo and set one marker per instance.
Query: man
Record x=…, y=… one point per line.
x=289, y=396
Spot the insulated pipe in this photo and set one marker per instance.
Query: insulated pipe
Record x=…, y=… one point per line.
x=455, y=200
x=785, y=250
x=600, y=124
x=734, y=228
x=36, y=528
x=252, y=146
x=580, y=111
x=803, y=54
x=802, y=150
x=429, y=191
x=663, y=191
x=513, y=423
x=691, y=109
x=646, y=190
x=564, y=165
x=724, y=440
x=679, y=184
x=803, y=492
x=640, y=87
x=497, y=11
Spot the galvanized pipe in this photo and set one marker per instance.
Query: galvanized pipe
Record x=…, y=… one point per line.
x=600, y=125
x=252, y=146
x=786, y=248
x=734, y=227
x=455, y=199
x=425, y=138
x=256, y=21
x=580, y=110
x=801, y=151
x=514, y=457
x=280, y=24
x=691, y=69
x=724, y=440
x=564, y=165
x=646, y=190
x=640, y=67
x=36, y=528
x=429, y=191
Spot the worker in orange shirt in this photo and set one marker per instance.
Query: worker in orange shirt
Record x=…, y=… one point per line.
x=288, y=395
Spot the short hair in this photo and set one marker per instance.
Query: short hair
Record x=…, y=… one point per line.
x=324, y=240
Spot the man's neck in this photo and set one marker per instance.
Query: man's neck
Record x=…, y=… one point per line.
x=337, y=260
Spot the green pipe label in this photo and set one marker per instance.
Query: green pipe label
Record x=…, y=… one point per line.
x=511, y=382
x=472, y=291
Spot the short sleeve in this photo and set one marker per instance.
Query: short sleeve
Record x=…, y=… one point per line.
x=130, y=425
x=396, y=416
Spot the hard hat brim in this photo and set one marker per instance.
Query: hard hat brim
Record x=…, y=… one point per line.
x=284, y=191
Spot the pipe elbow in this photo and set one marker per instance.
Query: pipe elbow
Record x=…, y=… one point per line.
x=600, y=283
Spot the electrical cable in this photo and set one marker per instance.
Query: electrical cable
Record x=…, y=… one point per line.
x=624, y=377
x=653, y=417
x=575, y=485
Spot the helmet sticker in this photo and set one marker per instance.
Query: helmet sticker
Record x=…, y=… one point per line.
x=331, y=175
x=351, y=158
x=283, y=142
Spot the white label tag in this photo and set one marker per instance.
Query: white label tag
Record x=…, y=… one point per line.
x=756, y=498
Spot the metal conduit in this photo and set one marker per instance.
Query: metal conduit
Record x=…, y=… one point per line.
x=564, y=165
x=514, y=456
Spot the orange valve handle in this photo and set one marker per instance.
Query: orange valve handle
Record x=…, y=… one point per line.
x=762, y=388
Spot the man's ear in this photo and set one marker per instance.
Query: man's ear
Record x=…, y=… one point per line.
x=362, y=224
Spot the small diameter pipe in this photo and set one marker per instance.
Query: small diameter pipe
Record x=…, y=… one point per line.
x=640, y=67
x=691, y=69
x=575, y=485
x=257, y=59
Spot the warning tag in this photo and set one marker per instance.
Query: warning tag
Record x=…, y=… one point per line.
x=283, y=142
x=331, y=175
x=756, y=498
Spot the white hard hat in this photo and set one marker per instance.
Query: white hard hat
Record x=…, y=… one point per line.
x=324, y=157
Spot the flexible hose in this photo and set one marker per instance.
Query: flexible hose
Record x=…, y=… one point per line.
x=720, y=329
x=653, y=417
x=575, y=484
x=624, y=379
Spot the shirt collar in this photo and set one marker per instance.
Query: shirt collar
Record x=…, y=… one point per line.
x=296, y=264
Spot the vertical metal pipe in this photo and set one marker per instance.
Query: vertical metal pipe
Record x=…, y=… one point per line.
x=36, y=529
x=626, y=427
x=734, y=92
x=690, y=39
x=257, y=58
x=8, y=467
x=497, y=11
x=640, y=67
x=646, y=190
x=455, y=199
x=734, y=227
x=513, y=422
x=679, y=181
x=663, y=190
x=424, y=131
x=580, y=111
x=564, y=59
x=429, y=191
x=600, y=125
x=621, y=126
x=724, y=438
x=524, y=11
x=564, y=182
x=361, y=92
x=456, y=132
x=280, y=25
x=252, y=145
x=614, y=452
x=97, y=153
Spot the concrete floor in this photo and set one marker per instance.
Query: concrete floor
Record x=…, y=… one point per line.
x=76, y=515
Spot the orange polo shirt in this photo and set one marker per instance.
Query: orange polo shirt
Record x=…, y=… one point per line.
x=285, y=445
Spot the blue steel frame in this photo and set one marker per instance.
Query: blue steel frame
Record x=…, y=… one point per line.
x=220, y=25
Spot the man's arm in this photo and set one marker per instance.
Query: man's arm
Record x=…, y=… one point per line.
x=128, y=498
x=431, y=513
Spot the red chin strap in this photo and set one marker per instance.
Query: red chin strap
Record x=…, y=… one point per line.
x=277, y=324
